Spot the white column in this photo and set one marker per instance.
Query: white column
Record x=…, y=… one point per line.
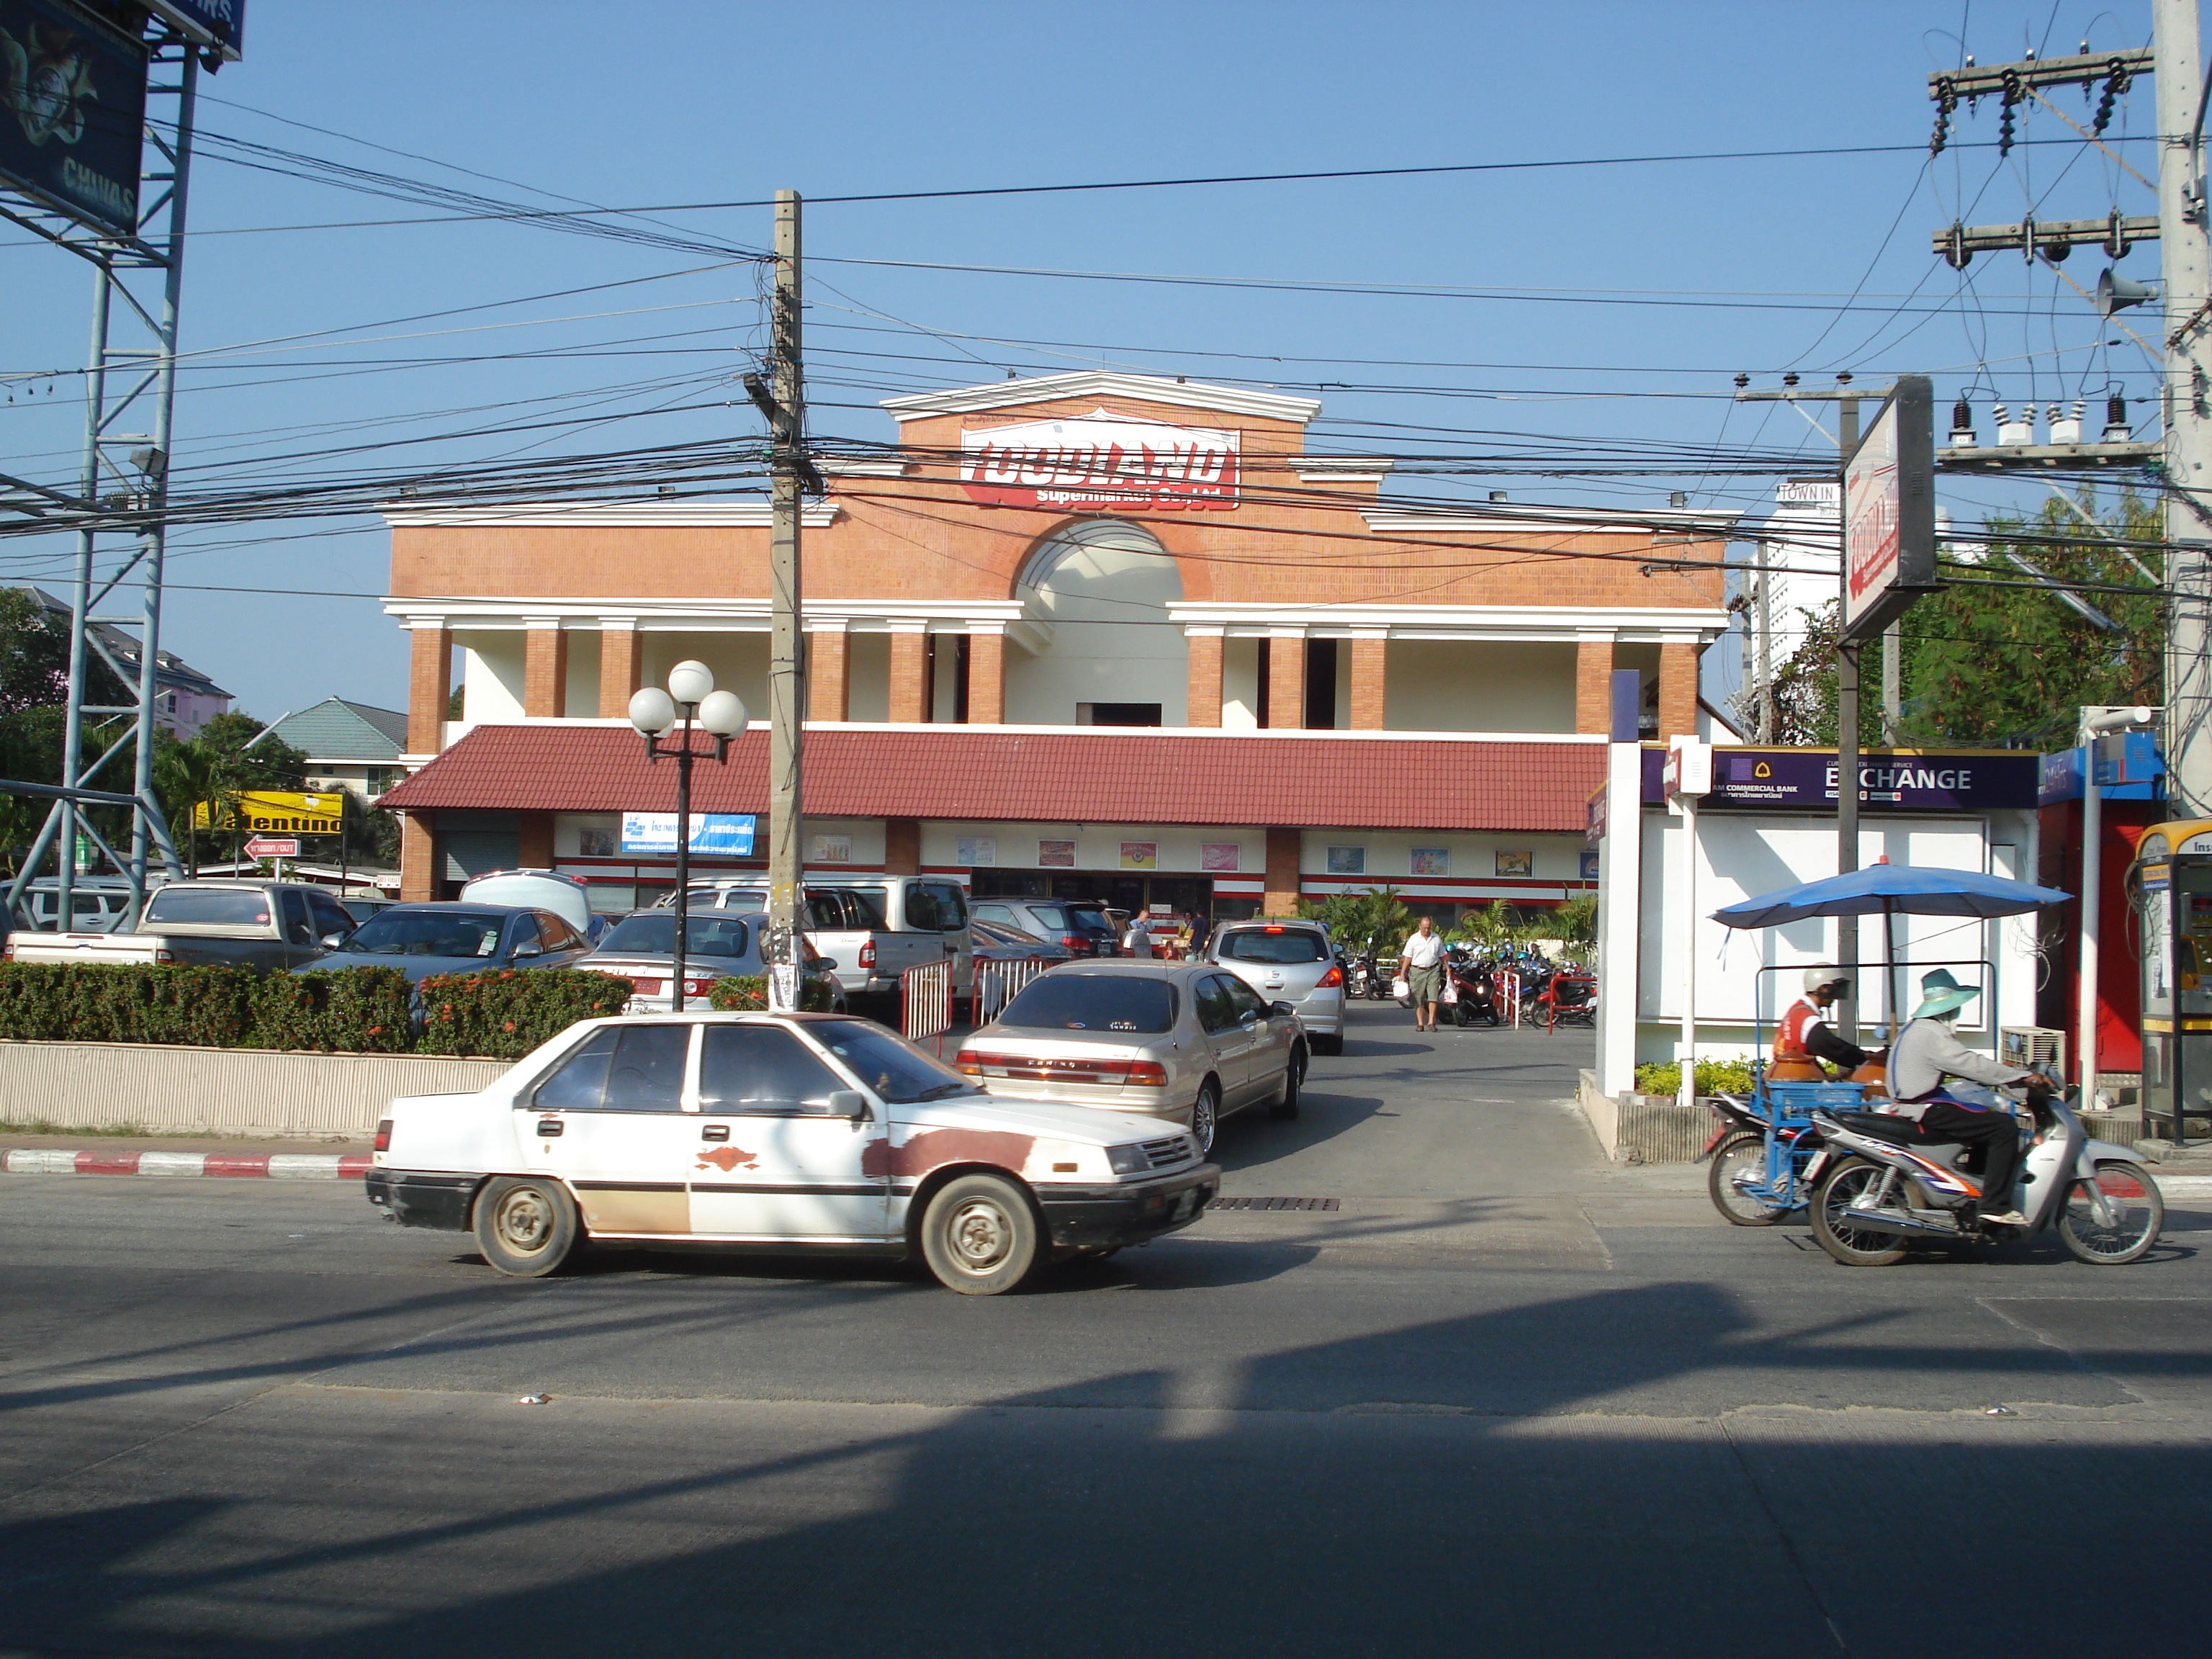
x=1619, y=908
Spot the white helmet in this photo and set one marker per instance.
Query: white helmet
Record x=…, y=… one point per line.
x=1817, y=977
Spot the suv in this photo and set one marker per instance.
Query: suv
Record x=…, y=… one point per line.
x=1071, y=924
x=1291, y=962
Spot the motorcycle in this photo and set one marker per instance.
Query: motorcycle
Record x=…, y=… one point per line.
x=1475, y=994
x=1568, y=998
x=1877, y=1189
x=1358, y=975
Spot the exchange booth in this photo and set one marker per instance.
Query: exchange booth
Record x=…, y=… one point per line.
x=2171, y=890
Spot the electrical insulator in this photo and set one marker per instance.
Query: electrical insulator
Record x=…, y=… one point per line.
x=2116, y=420
x=2066, y=428
x=2013, y=433
x=1790, y=378
x=1962, y=425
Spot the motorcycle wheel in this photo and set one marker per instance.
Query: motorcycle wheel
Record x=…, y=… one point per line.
x=1854, y=1246
x=2135, y=1211
x=1741, y=1157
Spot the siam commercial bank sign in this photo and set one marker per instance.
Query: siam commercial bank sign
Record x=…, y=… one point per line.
x=1103, y=462
x=1804, y=780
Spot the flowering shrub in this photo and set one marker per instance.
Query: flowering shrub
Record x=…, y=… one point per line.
x=357, y=1010
x=746, y=992
x=1714, y=1077
x=504, y=1013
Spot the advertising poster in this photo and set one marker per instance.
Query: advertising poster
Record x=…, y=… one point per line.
x=72, y=110
x=727, y=834
x=276, y=812
x=1348, y=860
x=595, y=844
x=1220, y=855
x=1056, y=854
x=1432, y=861
x=831, y=849
x=1516, y=863
x=972, y=850
x=1141, y=855
x=1589, y=863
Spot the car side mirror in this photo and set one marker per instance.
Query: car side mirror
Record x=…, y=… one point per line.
x=332, y=941
x=522, y=951
x=821, y=964
x=1280, y=1008
x=850, y=1103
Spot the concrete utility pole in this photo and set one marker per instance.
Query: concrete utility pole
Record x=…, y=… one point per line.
x=2185, y=262
x=787, y=669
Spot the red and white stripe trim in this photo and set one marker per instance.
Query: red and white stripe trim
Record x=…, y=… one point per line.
x=277, y=1166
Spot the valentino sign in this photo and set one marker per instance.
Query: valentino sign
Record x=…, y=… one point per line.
x=1102, y=462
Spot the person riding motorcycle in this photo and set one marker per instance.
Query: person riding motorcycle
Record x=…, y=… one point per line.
x=1806, y=1038
x=1926, y=1052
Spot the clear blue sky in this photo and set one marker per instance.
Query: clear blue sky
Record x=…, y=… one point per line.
x=1624, y=298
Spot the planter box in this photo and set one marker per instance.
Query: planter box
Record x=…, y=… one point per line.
x=1645, y=1128
x=220, y=1092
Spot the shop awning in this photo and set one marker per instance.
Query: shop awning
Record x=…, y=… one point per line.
x=1538, y=783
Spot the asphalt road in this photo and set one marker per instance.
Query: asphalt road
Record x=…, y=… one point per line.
x=1506, y=1399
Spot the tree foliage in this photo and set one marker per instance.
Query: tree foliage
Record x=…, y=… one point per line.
x=1986, y=666
x=1377, y=918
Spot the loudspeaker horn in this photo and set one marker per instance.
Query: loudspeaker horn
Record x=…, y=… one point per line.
x=2118, y=293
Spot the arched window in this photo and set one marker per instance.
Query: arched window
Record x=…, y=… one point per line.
x=1102, y=587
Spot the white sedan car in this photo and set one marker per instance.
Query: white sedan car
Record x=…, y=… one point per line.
x=796, y=1132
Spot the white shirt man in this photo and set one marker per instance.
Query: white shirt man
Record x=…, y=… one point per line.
x=1421, y=958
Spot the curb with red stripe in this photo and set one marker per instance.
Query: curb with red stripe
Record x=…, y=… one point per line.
x=278, y=1166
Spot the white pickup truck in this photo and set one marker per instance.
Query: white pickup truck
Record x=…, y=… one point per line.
x=873, y=927
x=269, y=925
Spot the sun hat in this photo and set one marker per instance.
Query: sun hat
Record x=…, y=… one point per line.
x=1816, y=977
x=1940, y=994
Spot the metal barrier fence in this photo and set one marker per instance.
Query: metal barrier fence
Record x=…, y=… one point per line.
x=1509, y=995
x=996, y=982
x=925, y=1003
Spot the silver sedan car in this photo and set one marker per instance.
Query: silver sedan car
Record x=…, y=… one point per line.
x=1290, y=961
x=1189, y=1043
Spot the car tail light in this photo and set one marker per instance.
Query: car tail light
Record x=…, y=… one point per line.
x=868, y=954
x=1073, y=942
x=697, y=988
x=968, y=1062
x=1333, y=976
x=1271, y=930
x=1141, y=1073
x=1148, y=1074
x=10, y=952
x=164, y=956
x=384, y=1136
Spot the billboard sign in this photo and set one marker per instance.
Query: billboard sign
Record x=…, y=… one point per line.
x=728, y=834
x=1102, y=463
x=1889, y=510
x=72, y=111
x=1804, y=780
x=279, y=812
x=217, y=23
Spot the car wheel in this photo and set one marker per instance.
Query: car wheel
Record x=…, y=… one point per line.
x=980, y=1236
x=1285, y=1105
x=525, y=1228
x=1206, y=1116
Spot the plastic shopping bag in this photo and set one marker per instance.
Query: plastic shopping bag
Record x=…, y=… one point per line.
x=1450, y=991
x=1400, y=988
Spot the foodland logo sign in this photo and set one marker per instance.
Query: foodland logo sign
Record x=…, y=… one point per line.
x=1103, y=462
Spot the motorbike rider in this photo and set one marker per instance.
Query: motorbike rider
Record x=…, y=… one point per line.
x=1806, y=1034
x=1928, y=1051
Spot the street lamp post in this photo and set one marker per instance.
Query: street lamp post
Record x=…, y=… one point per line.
x=653, y=711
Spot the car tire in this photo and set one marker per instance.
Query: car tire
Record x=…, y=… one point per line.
x=1206, y=1116
x=1327, y=1042
x=1285, y=1105
x=525, y=1228
x=980, y=1236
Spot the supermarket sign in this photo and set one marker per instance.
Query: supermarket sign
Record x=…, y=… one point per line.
x=1103, y=462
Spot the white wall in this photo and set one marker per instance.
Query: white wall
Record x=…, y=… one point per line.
x=1390, y=855
x=1477, y=685
x=1105, y=586
x=1240, y=684
x=868, y=677
x=582, y=694
x=738, y=661
x=491, y=676
x=1098, y=846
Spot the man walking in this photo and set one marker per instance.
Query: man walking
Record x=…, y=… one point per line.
x=1421, y=960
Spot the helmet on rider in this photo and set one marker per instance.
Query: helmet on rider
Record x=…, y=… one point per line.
x=1817, y=979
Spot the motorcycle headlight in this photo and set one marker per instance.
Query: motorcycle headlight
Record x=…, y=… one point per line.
x=1129, y=1160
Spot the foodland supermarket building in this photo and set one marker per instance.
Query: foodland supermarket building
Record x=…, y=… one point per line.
x=1094, y=636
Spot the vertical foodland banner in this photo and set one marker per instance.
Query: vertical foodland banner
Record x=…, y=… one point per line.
x=72, y=111
x=1889, y=511
x=1103, y=463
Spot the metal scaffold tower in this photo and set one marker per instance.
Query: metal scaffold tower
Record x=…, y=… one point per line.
x=117, y=505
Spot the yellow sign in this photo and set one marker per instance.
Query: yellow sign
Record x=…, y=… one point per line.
x=276, y=812
x=1141, y=855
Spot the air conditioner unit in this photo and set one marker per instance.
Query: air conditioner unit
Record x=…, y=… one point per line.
x=2036, y=1047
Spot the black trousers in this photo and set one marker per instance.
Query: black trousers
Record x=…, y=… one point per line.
x=1995, y=1132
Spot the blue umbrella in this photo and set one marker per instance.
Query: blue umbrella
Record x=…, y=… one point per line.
x=1887, y=891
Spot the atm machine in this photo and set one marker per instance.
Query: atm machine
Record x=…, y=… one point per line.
x=2170, y=889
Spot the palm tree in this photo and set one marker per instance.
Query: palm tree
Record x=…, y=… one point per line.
x=192, y=774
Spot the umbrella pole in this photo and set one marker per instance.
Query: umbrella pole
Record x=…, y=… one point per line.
x=1889, y=966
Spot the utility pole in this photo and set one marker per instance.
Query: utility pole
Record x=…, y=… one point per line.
x=783, y=400
x=2185, y=262
x=1892, y=681
x=1765, y=623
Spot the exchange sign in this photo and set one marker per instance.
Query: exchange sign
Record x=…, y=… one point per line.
x=72, y=109
x=1889, y=511
x=1103, y=462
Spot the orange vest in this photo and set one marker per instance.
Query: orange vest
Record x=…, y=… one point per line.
x=1789, y=1041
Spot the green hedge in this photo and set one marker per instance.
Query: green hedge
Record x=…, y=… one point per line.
x=1714, y=1077
x=362, y=1010
x=747, y=991
x=504, y=1014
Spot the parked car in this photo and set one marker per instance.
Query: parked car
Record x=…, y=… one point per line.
x=540, y=890
x=1291, y=962
x=1080, y=929
x=361, y=909
x=97, y=903
x=718, y=944
x=1186, y=1042
x=267, y=926
x=995, y=942
x=875, y=927
x=450, y=937
x=805, y=1131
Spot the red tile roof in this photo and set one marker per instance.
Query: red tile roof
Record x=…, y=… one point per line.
x=1057, y=777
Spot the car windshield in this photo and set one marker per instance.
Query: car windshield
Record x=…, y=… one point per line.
x=1273, y=945
x=401, y=932
x=221, y=907
x=709, y=935
x=1094, y=1002
x=897, y=1071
